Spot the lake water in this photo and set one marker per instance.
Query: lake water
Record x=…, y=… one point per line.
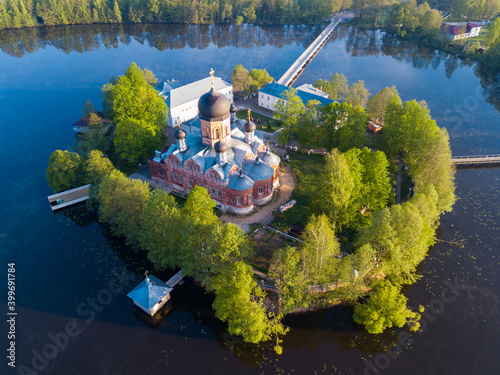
x=64, y=263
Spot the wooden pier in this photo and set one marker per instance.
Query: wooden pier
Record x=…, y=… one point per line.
x=299, y=65
x=476, y=160
x=174, y=280
x=69, y=197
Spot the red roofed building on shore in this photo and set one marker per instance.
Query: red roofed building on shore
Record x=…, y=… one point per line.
x=455, y=32
x=224, y=155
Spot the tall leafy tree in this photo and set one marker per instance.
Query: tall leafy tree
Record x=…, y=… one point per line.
x=288, y=110
x=358, y=94
x=375, y=106
x=335, y=189
x=238, y=302
x=320, y=248
x=162, y=229
x=139, y=113
x=65, y=171
x=121, y=205
x=287, y=268
x=385, y=308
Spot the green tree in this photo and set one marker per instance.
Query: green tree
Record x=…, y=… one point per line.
x=320, y=248
x=287, y=268
x=134, y=141
x=375, y=106
x=288, y=110
x=335, y=189
x=162, y=229
x=358, y=94
x=374, y=190
x=259, y=78
x=121, y=205
x=337, y=88
x=65, y=171
x=238, y=302
x=308, y=126
x=343, y=126
x=240, y=79
x=97, y=167
x=139, y=113
x=385, y=308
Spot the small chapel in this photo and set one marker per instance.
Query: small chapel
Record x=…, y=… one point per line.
x=225, y=155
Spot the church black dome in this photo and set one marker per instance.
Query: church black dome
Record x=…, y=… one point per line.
x=179, y=133
x=213, y=104
x=249, y=126
x=220, y=147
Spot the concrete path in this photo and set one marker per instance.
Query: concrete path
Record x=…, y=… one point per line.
x=264, y=215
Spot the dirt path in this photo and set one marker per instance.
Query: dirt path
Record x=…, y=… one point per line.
x=264, y=214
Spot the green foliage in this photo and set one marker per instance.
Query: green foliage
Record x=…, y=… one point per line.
x=65, y=171
x=385, y=308
x=353, y=186
x=288, y=110
x=161, y=230
x=400, y=235
x=121, y=205
x=337, y=88
x=238, y=302
x=320, y=248
x=249, y=82
x=335, y=188
x=97, y=167
x=139, y=113
x=287, y=268
x=358, y=94
x=308, y=132
x=343, y=126
x=410, y=17
x=18, y=13
x=375, y=106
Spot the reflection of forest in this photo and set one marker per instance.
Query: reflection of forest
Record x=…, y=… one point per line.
x=82, y=38
x=361, y=42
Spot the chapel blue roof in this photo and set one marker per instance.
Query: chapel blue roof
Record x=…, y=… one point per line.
x=149, y=294
x=276, y=89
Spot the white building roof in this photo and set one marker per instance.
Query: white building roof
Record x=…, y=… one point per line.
x=192, y=91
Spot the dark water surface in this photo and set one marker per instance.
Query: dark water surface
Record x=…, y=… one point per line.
x=65, y=263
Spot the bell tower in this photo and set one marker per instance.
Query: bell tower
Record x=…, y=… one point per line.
x=215, y=119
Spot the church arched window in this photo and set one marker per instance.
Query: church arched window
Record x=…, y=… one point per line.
x=217, y=133
x=261, y=190
x=239, y=201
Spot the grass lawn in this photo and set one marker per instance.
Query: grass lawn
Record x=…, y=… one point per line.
x=308, y=169
x=261, y=121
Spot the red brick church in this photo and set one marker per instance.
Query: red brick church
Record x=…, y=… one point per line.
x=223, y=154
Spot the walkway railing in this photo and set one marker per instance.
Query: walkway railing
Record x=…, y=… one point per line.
x=476, y=159
x=294, y=71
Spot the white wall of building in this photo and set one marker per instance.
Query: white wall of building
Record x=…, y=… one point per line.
x=267, y=101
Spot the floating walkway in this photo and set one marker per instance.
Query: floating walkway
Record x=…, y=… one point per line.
x=69, y=197
x=298, y=66
x=476, y=160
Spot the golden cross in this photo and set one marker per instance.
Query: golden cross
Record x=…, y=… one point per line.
x=249, y=112
x=146, y=273
x=212, y=72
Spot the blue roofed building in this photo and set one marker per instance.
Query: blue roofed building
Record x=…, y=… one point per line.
x=272, y=92
x=150, y=295
x=221, y=153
